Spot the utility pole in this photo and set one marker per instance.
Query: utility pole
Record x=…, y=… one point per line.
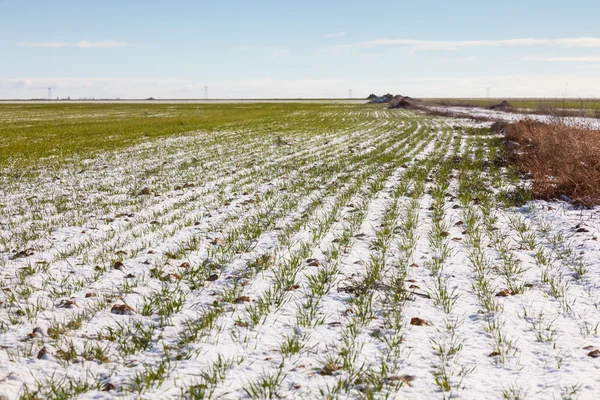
x=205, y=92
x=487, y=89
x=49, y=93
x=349, y=93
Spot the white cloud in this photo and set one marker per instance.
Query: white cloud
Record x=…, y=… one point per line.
x=334, y=35
x=576, y=59
x=588, y=42
x=433, y=86
x=86, y=44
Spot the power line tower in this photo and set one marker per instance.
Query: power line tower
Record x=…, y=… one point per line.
x=487, y=90
x=205, y=92
x=349, y=93
x=49, y=93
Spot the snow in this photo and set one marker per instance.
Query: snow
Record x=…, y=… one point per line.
x=305, y=197
x=584, y=122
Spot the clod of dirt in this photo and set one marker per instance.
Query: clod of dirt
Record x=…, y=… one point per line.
x=108, y=387
x=43, y=354
x=217, y=241
x=122, y=309
x=292, y=287
x=37, y=331
x=413, y=286
x=23, y=253
x=313, y=262
x=146, y=191
x=212, y=277
x=90, y=294
x=404, y=379
x=119, y=265
x=419, y=322
x=589, y=348
x=185, y=265
x=67, y=304
x=329, y=369
x=504, y=293
x=242, y=299
x=594, y=353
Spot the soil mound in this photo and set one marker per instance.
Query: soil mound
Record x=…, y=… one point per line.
x=373, y=98
x=399, y=102
x=502, y=106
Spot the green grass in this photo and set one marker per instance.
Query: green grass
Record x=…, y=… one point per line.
x=34, y=133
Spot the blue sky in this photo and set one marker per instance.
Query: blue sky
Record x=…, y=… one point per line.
x=262, y=49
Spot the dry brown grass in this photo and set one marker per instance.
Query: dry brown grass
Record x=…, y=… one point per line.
x=562, y=160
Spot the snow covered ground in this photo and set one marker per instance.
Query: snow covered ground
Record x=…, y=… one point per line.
x=592, y=123
x=363, y=263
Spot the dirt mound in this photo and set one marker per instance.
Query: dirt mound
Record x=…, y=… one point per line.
x=502, y=106
x=399, y=102
x=380, y=99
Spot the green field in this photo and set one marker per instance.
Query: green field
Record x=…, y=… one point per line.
x=30, y=132
x=270, y=250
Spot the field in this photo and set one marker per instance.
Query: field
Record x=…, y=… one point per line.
x=589, y=104
x=273, y=250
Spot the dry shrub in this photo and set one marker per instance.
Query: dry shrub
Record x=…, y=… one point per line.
x=499, y=126
x=562, y=160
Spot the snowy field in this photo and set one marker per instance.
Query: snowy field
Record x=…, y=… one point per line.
x=583, y=122
x=377, y=255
